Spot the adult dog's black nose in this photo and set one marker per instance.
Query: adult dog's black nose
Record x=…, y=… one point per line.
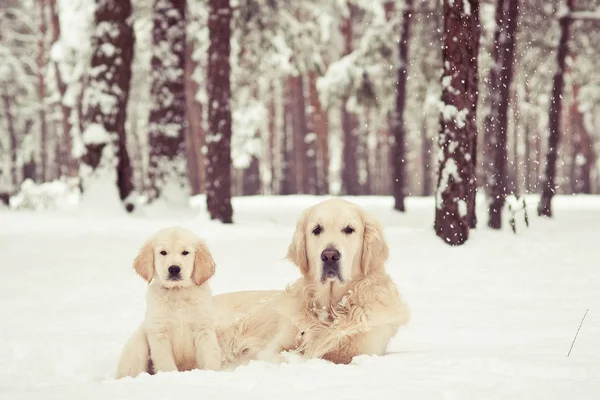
x=174, y=270
x=330, y=255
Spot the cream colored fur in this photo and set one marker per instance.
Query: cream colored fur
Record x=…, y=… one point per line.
x=178, y=332
x=335, y=320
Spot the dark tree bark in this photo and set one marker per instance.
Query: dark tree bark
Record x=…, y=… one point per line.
x=318, y=126
x=311, y=138
x=500, y=92
x=302, y=163
x=68, y=160
x=458, y=131
x=41, y=68
x=554, y=115
x=399, y=143
x=194, y=129
x=350, y=183
x=218, y=168
x=107, y=94
x=291, y=168
x=166, y=136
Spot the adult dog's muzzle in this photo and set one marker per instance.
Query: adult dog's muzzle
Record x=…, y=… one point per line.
x=330, y=258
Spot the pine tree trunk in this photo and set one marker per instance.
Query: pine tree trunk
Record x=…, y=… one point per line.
x=304, y=170
x=458, y=130
x=166, y=129
x=218, y=139
x=319, y=123
x=105, y=98
x=12, y=137
x=399, y=143
x=501, y=95
x=68, y=160
x=426, y=146
x=527, y=159
x=311, y=138
x=350, y=183
x=194, y=129
x=41, y=68
x=582, y=149
x=490, y=123
x=290, y=183
x=251, y=178
x=554, y=117
x=276, y=138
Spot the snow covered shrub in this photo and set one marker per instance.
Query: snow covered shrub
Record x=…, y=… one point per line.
x=46, y=196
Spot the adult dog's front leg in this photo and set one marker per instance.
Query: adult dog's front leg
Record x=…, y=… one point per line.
x=208, y=351
x=161, y=352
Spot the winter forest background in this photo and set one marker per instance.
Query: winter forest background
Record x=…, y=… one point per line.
x=143, y=102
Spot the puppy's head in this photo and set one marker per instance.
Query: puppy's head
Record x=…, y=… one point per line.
x=337, y=241
x=176, y=258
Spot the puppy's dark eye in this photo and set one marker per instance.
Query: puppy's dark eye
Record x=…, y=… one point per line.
x=185, y=253
x=348, y=230
x=317, y=231
x=164, y=253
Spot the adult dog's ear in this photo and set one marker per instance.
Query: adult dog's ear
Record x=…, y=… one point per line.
x=143, y=263
x=297, y=248
x=204, y=264
x=375, y=249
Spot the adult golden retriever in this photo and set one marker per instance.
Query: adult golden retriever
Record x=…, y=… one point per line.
x=178, y=332
x=344, y=304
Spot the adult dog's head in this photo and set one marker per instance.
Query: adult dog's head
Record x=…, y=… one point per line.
x=176, y=258
x=337, y=241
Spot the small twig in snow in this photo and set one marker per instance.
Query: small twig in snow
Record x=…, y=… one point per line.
x=575, y=338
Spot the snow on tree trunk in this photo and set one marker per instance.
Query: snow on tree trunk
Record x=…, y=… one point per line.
x=67, y=159
x=106, y=161
x=166, y=129
x=399, y=143
x=350, y=183
x=41, y=70
x=554, y=114
x=318, y=125
x=500, y=93
x=194, y=129
x=218, y=139
x=458, y=132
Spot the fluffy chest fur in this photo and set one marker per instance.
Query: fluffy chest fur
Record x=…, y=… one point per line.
x=180, y=316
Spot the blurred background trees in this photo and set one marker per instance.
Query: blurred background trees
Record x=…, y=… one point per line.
x=315, y=97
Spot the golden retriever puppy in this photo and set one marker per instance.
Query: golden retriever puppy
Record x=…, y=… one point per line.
x=178, y=332
x=343, y=306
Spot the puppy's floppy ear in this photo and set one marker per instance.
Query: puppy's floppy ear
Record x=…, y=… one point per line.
x=375, y=249
x=204, y=264
x=143, y=263
x=297, y=248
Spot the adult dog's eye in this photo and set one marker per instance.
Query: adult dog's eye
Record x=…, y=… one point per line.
x=317, y=231
x=185, y=253
x=348, y=230
x=164, y=253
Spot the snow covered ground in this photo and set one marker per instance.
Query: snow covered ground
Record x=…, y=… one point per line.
x=493, y=319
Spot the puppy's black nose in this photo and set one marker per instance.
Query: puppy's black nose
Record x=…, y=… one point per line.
x=174, y=270
x=330, y=254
